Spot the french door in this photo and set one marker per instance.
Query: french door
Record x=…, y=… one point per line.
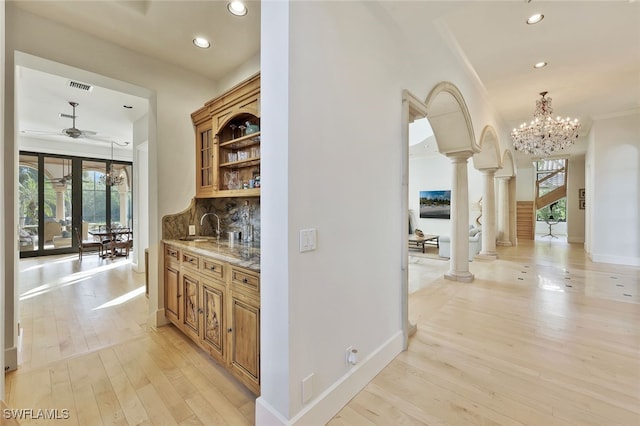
x=60, y=196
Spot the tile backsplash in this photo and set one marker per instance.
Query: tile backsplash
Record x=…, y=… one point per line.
x=236, y=214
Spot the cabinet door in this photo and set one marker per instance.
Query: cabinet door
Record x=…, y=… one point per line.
x=172, y=294
x=191, y=298
x=245, y=343
x=205, y=156
x=213, y=321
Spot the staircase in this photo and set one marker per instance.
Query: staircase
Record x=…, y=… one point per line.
x=551, y=186
x=552, y=182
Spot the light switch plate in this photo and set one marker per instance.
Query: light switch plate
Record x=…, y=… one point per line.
x=307, y=239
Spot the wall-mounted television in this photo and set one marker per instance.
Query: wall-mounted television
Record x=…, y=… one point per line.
x=435, y=204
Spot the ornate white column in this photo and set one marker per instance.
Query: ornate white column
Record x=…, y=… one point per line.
x=124, y=204
x=488, y=250
x=504, y=238
x=459, y=261
x=60, y=190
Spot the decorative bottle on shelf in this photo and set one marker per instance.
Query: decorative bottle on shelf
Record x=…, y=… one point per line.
x=247, y=229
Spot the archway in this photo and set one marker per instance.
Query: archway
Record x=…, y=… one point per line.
x=506, y=231
x=488, y=161
x=450, y=120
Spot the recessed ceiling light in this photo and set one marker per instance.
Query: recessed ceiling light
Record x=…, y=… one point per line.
x=534, y=19
x=540, y=64
x=201, y=42
x=236, y=7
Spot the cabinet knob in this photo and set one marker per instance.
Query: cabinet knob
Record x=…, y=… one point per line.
x=200, y=310
x=229, y=330
x=244, y=280
x=213, y=268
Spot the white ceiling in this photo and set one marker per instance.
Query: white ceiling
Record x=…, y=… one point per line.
x=593, y=48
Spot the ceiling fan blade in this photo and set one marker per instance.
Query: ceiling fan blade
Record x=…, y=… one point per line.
x=41, y=132
x=107, y=140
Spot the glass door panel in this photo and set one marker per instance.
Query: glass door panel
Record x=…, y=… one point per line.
x=28, y=203
x=121, y=197
x=94, y=196
x=58, y=187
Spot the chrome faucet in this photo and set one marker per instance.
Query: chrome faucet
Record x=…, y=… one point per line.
x=218, y=219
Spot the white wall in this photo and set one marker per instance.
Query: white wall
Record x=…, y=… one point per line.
x=575, y=215
x=333, y=75
x=525, y=182
x=3, y=196
x=176, y=93
x=613, y=189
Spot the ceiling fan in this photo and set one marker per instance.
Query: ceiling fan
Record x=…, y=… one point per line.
x=66, y=177
x=72, y=132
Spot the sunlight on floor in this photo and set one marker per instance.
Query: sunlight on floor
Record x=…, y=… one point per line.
x=122, y=299
x=70, y=280
x=43, y=265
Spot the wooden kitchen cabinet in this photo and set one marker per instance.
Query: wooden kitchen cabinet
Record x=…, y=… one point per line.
x=244, y=327
x=228, y=143
x=213, y=330
x=245, y=341
x=172, y=284
x=217, y=305
x=192, y=306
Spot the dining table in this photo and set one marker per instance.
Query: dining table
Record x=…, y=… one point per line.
x=109, y=237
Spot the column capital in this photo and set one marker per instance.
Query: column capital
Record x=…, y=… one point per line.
x=489, y=170
x=60, y=187
x=459, y=156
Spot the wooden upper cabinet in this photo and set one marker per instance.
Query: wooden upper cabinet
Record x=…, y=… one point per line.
x=228, y=143
x=204, y=159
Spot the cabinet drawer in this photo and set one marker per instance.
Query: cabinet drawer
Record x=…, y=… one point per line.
x=244, y=279
x=190, y=260
x=212, y=268
x=172, y=253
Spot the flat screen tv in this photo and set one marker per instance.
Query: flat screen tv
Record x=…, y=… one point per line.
x=435, y=204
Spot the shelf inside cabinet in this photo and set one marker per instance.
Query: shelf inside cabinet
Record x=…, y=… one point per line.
x=242, y=142
x=255, y=161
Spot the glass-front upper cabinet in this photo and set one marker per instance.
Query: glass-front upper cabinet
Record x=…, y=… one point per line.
x=205, y=158
x=228, y=143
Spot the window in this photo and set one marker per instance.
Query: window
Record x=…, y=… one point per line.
x=551, y=175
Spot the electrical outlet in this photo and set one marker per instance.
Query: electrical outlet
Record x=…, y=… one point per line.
x=192, y=230
x=351, y=356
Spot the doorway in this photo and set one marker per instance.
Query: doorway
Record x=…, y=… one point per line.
x=59, y=195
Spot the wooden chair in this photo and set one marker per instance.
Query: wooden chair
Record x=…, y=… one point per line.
x=122, y=240
x=86, y=245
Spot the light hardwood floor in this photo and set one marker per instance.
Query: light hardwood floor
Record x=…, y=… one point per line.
x=541, y=337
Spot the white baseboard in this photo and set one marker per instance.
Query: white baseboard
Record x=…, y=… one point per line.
x=326, y=405
x=157, y=319
x=11, y=359
x=616, y=260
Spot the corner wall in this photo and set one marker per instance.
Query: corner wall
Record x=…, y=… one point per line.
x=613, y=189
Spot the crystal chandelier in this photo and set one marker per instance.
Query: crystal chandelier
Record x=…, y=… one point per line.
x=545, y=135
x=110, y=178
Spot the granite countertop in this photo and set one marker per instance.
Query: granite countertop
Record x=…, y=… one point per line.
x=245, y=255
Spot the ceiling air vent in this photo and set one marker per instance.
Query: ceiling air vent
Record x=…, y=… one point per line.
x=81, y=86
